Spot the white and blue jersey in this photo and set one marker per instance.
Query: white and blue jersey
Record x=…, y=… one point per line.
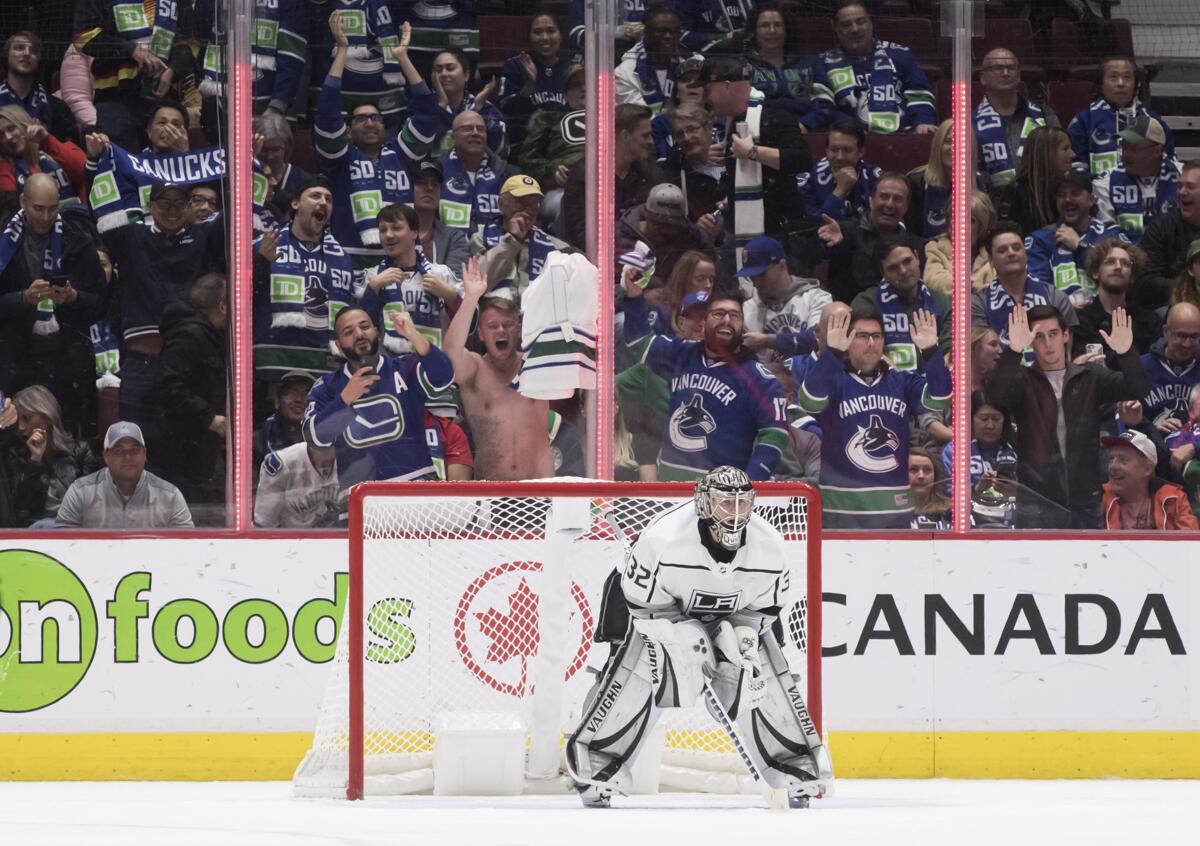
x=1171, y=385
x=1052, y=263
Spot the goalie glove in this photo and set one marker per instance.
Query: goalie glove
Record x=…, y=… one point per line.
x=738, y=645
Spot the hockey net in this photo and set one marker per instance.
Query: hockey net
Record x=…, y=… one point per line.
x=484, y=598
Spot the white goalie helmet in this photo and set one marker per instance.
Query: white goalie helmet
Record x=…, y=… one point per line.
x=724, y=501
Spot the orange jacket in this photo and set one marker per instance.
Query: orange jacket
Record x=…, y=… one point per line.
x=1170, y=509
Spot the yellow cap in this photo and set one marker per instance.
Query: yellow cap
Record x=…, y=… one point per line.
x=521, y=186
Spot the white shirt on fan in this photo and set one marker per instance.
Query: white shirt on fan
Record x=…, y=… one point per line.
x=671, y=575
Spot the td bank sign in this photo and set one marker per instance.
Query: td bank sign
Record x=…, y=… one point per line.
x=49, y=627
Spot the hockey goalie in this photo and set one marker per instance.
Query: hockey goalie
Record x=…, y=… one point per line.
x=704, y=585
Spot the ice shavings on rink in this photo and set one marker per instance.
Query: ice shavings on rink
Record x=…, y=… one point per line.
x=929, y=813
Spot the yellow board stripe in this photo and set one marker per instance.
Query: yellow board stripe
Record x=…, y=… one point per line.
x=274, y=757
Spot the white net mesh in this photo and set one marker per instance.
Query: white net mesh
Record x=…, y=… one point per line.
x=478, y=603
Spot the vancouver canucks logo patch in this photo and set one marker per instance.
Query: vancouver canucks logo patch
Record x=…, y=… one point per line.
x=690, y=425
x=873, y=448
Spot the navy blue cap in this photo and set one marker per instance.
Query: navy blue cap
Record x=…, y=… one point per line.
x=760, y=253
x=696, y=299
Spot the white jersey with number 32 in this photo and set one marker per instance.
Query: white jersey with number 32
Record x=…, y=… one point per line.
x=671, y=575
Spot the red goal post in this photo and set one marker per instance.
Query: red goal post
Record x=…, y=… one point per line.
x=445, y=559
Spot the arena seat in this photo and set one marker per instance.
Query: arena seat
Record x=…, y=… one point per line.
x=900, y=152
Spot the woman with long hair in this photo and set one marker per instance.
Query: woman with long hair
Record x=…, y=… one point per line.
x=46, y=458
x=929, y=185
x=985, y=353
x=1028, y=201
x=779, y=71
x=939, y=251
x=927, y=481
x=1187, y=285
x=23, y=154
x=535, y=77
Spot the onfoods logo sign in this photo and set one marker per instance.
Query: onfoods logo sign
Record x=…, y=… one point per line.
x=47, y=630
x=48, y=627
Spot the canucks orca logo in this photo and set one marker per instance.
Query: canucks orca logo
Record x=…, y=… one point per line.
x=316, y=303
x=873, y=448
x=1101, y=136
x=690, y=425
x=937, y=217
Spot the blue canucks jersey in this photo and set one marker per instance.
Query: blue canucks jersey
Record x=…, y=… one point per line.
x=865, y=426
x=1171, y=385
x=382, y=434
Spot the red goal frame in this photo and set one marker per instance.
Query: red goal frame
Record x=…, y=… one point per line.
x=587, y=488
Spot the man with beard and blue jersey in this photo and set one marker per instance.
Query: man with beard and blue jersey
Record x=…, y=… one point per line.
x=725, y=407
x=371, y=410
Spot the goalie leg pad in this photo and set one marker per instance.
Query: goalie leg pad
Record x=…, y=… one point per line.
x=780, y=736
x=617, y=715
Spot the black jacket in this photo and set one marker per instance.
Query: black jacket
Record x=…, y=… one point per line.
x=82, y=267
x=1165, y=243
x=1070, y=481
x=632, y=190
x=853, y=264
x=191, y=386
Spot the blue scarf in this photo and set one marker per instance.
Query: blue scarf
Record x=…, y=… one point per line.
x=881, y=113
x=371, y=190
x=997, y=158
x=121, y=189
x=539, y=246
x=1131, y=208
x=268, y=41
x=295, y=301
x=51, y=269
x=108, y=355
x=22, y=171
x=934, y=211
x=897, y=340
x=465, y=205
x=132, y=25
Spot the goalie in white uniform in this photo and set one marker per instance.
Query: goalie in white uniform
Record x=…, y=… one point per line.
x=705, y=582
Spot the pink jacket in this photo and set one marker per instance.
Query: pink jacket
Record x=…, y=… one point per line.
x=75, y=86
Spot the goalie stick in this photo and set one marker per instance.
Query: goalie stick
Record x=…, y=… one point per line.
x=776, y=798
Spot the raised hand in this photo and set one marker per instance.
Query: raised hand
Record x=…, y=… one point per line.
x=474, y=284
x=1121, y=338
x=1130, y=412
x=1019, y=334
x=402, y=322
x=527, y=65
x=837, y=333
x=400, y=51
x=629, y=282
x=829, y=232
x=268, y=244
x=338, y=31
x=923, y=329
x=485, y=94
x=96, y=143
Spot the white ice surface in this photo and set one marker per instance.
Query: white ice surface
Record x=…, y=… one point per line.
x=881, y=813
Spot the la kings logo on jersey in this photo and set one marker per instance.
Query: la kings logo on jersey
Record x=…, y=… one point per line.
x=690, y=425
x=707, y=607
x=873, y=448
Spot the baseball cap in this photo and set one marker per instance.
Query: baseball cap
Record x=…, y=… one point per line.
x=1079, y=177
x=521, y=185
x=1134, y=440
x=160, y=188
x=1144, y=128
x=666, y=201
x=689, y=66
x=1193, y=251
x=696, y=299
x=293, y=375
x=760, y=253
x=123, y=429
x=722, y=67
x=430, y=166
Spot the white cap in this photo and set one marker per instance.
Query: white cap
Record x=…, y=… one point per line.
x=1136, y=440
x=123, y=429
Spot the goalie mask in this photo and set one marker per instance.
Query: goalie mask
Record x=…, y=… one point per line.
x=724, y=500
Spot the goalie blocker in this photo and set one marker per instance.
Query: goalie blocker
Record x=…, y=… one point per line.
x=704, y=585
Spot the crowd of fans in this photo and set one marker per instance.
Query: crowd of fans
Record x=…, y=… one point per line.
x=422, y=308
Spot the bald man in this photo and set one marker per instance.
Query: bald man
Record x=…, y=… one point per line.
x=472, y=176
x=51, y=291
x=1004, y=117
x=1174, y=369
